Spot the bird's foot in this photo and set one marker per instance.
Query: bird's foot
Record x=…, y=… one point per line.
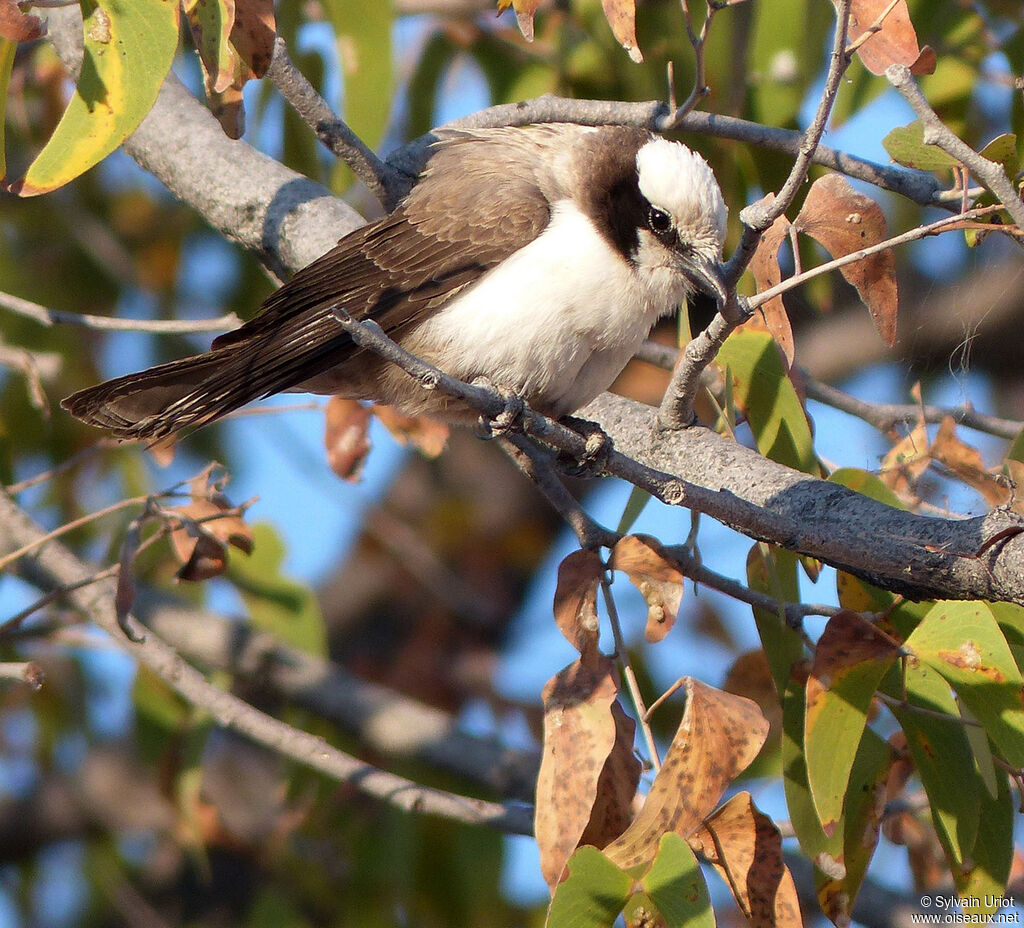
x=594, y=459
x=510, y=419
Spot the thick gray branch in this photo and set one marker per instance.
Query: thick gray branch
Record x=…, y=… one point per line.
x=921, y=557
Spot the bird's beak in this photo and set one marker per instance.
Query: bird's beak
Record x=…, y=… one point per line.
x=707, y=276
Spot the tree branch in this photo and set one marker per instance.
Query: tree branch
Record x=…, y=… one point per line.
x=96, y=601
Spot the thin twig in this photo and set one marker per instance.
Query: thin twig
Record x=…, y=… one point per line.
x=946, y=224
x=56, y=563
x=50, y=317
x=100, y=445
x=937, y=133
x=876, y=26
x=700, y=85
x=676, y=409
x=627, y=672
x=383, y=181
x=537, y=466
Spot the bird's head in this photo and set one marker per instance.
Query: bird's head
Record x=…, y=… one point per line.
x=684, y=217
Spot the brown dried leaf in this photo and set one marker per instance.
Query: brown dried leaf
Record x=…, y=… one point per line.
x=426, y=435
x=844, y=221
x=579, y=735
x=909, y=458
x=644, y=561
x=228, y=108
x=201, y=541
x=616, y=788
x=579, y=576
x=346, y=438
x=124, y=593
x=253, y=33
x=745, y=847
x=720, y=734
x=895, y=42
x=967, y=463
x=524, y=10
x=621, y=16
x=18, y=26
x=765, y=268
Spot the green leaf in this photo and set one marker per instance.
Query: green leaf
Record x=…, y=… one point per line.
x=1016, y=452
x=129, y=47
x=941, y=752
x=364, y=40
x=278, y=604
x=592, y=896
x=850, y=660
x=774, y=571
x=867, y=484
x=963, y=642
x=983, y=883
x=7, y=50
x=906, y=146
x=637, y=502
x=1003, y=150
x=767, y=397
x=676, y=886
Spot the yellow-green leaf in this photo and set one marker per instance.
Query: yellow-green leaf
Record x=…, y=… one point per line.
x=277, y=603
x=906, y=146
x=592, y=896
x=941, y=752
x=866, y=483
x=676, y=887
x=129, y=47
x=768, y=399
x=7, y=49
x=963, y=642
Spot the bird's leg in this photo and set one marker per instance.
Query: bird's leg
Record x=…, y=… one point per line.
x=510, y=419
x=595, y=455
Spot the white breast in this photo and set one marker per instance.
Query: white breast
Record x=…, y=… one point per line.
x=556, y=322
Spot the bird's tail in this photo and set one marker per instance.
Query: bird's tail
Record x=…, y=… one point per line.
x=171, y=397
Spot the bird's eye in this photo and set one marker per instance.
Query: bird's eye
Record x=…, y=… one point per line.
x=658, y=220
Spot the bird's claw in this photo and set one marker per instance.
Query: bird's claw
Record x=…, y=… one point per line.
x=510, y=419
x=594, y=460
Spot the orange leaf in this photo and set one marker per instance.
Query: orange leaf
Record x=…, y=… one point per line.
x=616, y=788
x=643, y=560
x=576, y=601
x=200, y=543
x=745, y=847
x=524, y=10
x=720, y=734
x=895, y=42
x=844, y=221
x=253, y=33
x=966, y=462
x=345, y=437
x=765, y=268
x=18, y=26
x=579, y=736
x=426, y=435
x=621, y=16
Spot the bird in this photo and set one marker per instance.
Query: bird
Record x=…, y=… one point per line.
x=536, y=258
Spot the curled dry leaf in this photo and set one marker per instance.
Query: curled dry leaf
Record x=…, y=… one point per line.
x=720, y=734
x=579, y=735
x=621, y=16
x=649, y=569
x=201, y=541
x=745, y=847
x=124, y=593
x=426, y=435
x=346, y=437
x=210, y=22
x=967, y=463
x=253, y=33
x=579, y=576
x=765, y=268
x=616, y=787
x=844, y=221
x=524, y=10
x=18, y=26
x=894, y=42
